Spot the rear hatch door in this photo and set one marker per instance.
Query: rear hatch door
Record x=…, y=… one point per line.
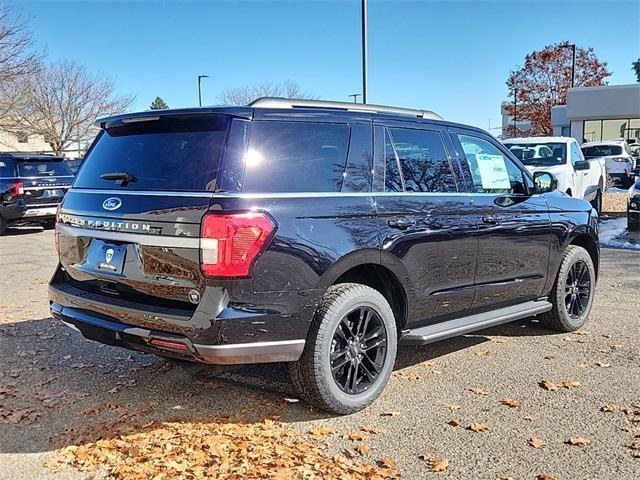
x=129, y=228
x=46, y=180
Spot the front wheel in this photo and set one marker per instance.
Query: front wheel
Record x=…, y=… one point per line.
x=573, y=291
x=350, y=350
x=633, y=222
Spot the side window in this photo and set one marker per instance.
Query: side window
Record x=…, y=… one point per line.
x=295, y=157
x=392, y=179
x=491, y=171
x=6, y=169
x=423, y=160
x=358, y=174
x=576, y=156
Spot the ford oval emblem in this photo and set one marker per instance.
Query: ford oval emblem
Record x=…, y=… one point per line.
x=112, y=203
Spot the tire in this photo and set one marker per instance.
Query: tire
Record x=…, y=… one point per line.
x=343, y=307
x=633, y=222
x=568, y=317
x=3, y=226
x=49, y=224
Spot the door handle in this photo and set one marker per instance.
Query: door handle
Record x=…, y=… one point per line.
x=401, y=223
x=490, y=220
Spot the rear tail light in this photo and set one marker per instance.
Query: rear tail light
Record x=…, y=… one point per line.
x=17, y=190
x=620, y=159
x=230, y=243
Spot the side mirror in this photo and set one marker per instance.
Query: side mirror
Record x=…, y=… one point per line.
x=545, y=182
x=581, y=165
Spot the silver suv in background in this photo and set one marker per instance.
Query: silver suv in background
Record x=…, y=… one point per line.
x=618, y=159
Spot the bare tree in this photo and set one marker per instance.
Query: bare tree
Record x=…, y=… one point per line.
x=61, y=102
x=246, y=95
x=18, y=58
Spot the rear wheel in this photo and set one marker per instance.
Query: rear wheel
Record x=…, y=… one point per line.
x=3, y=226
x=572, y=294
x=350, y=350
x=633, y=222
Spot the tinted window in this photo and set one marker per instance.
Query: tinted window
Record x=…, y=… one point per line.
x=172, y=153
x=358, y=173
x=491, y=171
x=539, y=154
x=601, y=150
x=392, y=179
x=295, y=157
x=424, y=163
x=6, y=168
x=32, y=168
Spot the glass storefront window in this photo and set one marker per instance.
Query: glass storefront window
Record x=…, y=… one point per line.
x=634, y=130
x=614, y=129
x=592, y=130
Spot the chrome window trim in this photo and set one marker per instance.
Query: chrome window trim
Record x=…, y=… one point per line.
x=166, y=241
x=154, y=193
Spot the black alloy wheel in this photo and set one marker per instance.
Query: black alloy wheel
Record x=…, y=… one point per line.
x=358, y=350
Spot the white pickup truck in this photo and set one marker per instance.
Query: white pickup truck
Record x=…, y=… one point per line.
x=562, y=157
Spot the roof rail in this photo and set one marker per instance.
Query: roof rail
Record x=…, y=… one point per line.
x=276, y=102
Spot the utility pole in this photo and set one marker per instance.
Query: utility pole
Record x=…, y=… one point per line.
x=200, y=77
x=364, y=52
x=573, y=64
x=515, y=110
x=355, y=97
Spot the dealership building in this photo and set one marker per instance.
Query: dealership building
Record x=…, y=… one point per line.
x=599, y=113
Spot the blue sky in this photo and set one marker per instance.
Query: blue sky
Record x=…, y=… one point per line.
x=449, y=56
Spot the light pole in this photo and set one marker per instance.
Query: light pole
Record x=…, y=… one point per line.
x=364, y=51
x=573, y=64
x=355, y=97
x=200, y=77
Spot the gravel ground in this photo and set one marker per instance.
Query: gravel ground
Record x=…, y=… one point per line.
x=53, y=372
x=614, y=202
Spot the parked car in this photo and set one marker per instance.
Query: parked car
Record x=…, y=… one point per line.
x=562, y=156
x=633, y=207
x=618, y=158
x=32, y=187
x=323, y=234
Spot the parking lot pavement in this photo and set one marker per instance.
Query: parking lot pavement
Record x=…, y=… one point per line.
x=57, y=389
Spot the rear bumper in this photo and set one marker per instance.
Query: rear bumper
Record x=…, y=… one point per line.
x=40, y=213
x=119, y=334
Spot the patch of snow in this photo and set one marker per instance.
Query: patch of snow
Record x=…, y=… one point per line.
x=617, y=190
x=613, y=233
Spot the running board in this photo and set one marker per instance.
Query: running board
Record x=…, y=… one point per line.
x=460, y=326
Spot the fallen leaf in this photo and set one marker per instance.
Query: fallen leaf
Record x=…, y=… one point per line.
x=321, y=432
x=609, y=408
x=435, y=464
x=546, y=476
x=547, y=385
x=388, y=463
x=510, y=402
x=480, y=391
x=578, y=441
x=582, y=365
x=362, y=448
x=357, y=436
x=531, y=418
x=372, y=429
x=291, y=400
x=635, y=445
x=569, y=384
x=603, y=365
x=536, y=442
x=454, y=406
x=391, y=413
x=479, y=427
x=407, y=376
x=455, y=422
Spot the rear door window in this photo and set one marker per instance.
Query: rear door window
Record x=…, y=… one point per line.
x=601, y=151
x=295, y=157
x=423, y=161
x=167, y=153
x=37, y=168
x=7, y=169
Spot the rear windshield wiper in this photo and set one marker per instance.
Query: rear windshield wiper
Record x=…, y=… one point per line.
x=124, y=177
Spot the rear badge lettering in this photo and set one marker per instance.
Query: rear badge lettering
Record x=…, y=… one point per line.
x=112, y=203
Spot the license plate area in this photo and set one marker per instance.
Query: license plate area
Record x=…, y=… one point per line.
x=106, y=257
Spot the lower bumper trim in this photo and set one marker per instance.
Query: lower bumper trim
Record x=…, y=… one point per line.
x=257, y=352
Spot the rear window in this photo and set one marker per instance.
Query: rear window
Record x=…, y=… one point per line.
x=6, y=169
x=32, y=168
x=296, y=157
x=169, y=153
x=601, y=150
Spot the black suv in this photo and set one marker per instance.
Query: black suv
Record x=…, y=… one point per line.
x=31, y=188
x=318, y=233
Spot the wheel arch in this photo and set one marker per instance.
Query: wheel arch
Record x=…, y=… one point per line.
x=586, y=239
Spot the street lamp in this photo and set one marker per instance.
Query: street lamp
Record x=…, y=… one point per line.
x=200, y=77
x=355, y=97
x=572, y=46
x=364, y=51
